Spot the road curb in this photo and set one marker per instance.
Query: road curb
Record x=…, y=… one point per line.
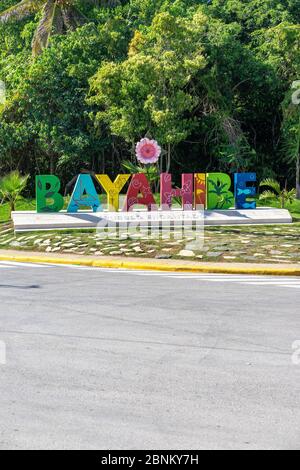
x=151, y=266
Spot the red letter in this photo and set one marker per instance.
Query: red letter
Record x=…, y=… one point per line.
x=139, y=185
x=167, y=193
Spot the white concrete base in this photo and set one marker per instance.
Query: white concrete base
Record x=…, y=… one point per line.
x=31, y=221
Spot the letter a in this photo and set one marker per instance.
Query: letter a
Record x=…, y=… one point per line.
x=113, y=189
x=139, y=185
x=84, y=194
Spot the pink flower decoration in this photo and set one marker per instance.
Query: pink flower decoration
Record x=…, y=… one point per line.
x=148, y=151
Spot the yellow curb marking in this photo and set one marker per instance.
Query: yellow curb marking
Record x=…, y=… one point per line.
x=154, y=267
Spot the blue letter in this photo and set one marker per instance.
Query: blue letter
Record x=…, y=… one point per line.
x=243, y=192
x=84, y=194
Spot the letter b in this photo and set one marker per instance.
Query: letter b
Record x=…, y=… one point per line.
x=47, y=188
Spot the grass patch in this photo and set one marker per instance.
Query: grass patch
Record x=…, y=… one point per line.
x=22, y=205
x=252, y=244
x=294, y=208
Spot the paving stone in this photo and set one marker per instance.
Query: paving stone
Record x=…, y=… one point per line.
x=15, y=243
x=213, y=254
x=138, y=249
x=205, y=248
x=186, y=253
x=69, y=245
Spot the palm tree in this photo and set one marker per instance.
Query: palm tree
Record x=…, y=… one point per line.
x=58, y=17
x=275, y=192
x=291, y=132
x=291, y=148
x=11, y=187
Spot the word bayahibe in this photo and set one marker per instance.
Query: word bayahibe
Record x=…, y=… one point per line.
x=211, y=191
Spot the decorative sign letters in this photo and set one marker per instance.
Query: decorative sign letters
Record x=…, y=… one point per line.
x=211, y=191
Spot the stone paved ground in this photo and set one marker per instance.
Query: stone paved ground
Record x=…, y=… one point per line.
x=259, y=244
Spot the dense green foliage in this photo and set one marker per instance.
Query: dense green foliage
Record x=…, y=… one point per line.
x=211, y=80
x=11, y=187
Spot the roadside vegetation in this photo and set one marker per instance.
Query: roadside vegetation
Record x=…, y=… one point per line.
x=259, y=244
x=214, y=82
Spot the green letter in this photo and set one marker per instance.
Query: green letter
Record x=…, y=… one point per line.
x=47, y=187
x=218, y=195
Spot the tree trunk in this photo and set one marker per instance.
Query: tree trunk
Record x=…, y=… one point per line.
x=12, y=208
x=298, y=163
x=298, y=177
x=51, y=165
x=169, y=158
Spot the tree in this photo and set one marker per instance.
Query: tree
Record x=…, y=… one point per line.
x=254, y=15
x=57, y=17
x=291, y=132
x=276, y=193
x=151, y=92
x=138, y=65
x=11, y=187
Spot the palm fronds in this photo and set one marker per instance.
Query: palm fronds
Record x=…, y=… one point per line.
x=11, y=187
x=273, y=184
x=21, y=10
x=58, y=17
x=45, y=27
x=283, y=196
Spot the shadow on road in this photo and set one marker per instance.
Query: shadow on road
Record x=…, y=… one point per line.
x=19, y=287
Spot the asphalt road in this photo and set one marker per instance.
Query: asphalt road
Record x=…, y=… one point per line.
x=101, y=359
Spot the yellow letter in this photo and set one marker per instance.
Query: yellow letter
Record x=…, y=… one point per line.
x=113, y=189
